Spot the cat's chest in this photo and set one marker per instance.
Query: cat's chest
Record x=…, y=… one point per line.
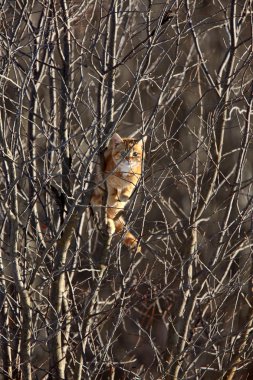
x=119, y=179
x=125, y=169
x=122, y=174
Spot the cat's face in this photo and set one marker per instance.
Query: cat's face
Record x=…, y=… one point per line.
x=127, y=153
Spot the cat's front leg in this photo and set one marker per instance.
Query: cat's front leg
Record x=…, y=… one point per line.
x=112, y=196
x=126, y=194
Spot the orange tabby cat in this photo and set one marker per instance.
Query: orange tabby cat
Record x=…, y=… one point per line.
x=122, y=171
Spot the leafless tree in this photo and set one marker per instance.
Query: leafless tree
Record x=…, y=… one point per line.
x=74, y=302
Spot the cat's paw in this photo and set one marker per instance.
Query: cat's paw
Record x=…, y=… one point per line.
x=136, y=248
x=110, y=227
x=123, y=197
x=132, y=243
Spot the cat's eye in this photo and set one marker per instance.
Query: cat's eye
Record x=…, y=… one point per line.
x=135, y=154
x=123, y=154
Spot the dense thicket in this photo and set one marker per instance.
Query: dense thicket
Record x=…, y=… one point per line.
x=75, y=304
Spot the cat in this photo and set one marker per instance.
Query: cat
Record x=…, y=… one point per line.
x=122, y=171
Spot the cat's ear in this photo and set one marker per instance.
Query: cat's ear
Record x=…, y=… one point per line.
x=142, y=140
x=116, y=139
